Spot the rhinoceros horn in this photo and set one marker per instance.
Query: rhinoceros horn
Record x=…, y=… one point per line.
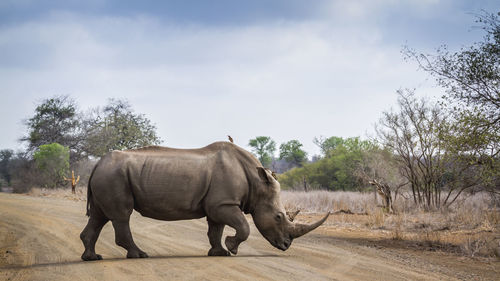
x=292, y=215
x=297, y=229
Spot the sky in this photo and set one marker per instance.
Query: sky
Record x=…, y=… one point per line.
x=201, y=70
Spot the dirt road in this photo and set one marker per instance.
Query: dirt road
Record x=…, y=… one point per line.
x=39, y=240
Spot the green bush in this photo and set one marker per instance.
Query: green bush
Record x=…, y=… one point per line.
x=52, y=161
x=337, y=170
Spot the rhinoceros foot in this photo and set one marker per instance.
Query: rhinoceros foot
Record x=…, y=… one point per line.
x=136, y=254
x=218, y=252
x=91, y=256
x=232, y=244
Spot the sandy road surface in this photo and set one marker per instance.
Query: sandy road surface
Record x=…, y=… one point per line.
x=39, y=240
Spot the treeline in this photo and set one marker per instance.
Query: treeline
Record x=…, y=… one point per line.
x=338, y=168
x=60, y=138
x=417, y=149
x=436, y=150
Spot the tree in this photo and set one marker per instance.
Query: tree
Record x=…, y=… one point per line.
x=117, y=127
x=470, y=76
x=5, y=167
x=292, y=152
x=413, y=135
x=52, y=160
x=471, y=79
x=294, y=178
x=343, y=161
x=24, y=172
x=338, y=171
x=328, y=144
x=264, y=148
x=380, y=169
x=55, y=121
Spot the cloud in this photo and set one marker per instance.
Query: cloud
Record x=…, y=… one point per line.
x=286, y=78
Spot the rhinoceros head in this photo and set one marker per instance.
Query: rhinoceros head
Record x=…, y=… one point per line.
x=270, y=216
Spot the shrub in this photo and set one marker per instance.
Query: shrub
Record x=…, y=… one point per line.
x=52, y=161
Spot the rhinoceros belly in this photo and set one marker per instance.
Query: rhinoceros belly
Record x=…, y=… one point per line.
x=171, y=189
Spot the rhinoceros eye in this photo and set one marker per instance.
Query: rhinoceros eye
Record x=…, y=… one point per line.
x=278, y=217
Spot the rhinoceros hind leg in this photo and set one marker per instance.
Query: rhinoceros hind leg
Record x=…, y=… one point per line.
x=123, y=238
x=214, y=236
x=136, y=254
x=90, y=234
x=232, y=216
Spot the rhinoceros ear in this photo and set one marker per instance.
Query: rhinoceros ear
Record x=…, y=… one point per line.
x=264, y=175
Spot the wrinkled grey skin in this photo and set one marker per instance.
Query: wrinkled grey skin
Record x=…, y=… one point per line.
x=220, y=181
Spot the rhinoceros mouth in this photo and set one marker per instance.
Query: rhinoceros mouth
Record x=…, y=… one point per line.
x=282, y=246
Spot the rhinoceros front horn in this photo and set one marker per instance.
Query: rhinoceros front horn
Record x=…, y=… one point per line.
x=297, y=229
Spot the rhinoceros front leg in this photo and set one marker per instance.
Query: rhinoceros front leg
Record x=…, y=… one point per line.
x=214, y=235
x=232, y=216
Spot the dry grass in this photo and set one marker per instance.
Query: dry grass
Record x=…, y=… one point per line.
x=376, y=219
x=398, y=231
x=321, y=201
x=80, y=193
x=470, y=227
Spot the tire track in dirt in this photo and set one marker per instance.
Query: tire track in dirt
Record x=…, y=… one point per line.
x=42, y=237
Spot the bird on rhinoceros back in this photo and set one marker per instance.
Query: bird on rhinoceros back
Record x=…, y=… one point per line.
x=220, y=181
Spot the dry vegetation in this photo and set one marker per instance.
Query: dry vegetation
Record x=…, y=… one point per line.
x=470, y=227
x=80, y=193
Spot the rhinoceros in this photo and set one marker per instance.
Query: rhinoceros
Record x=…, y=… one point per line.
x=220, y=181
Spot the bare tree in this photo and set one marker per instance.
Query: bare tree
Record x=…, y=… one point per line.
x=413, y=135
x=384, y=191
x=380, y=169
x=118, y=127
x=471, y=80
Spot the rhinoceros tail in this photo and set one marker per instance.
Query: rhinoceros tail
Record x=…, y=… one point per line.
x=89, y=192
x=89, y=197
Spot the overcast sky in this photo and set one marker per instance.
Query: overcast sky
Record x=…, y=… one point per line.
x=201, y=70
